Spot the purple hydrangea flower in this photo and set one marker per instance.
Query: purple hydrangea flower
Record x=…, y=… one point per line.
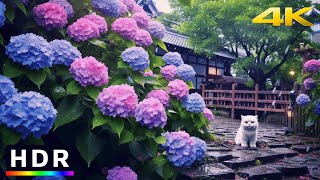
x=149, y=74
x=64, y=52
x=143, y=38
x=161, y=95
x=173, y=58
x=83, y=29
x=180, y=148
x=317, y=107
x=7, y=89
x=49, y=178
x=156, y=29
x=303, y=100
x=50, y=15
x=121, y=173
x=118, y=100
x=136, y=57
x=28, y=113
x=99, y=21
x=151, y=113
x=66, y=5
x=107, y=7
x=129, y=3
x=178, y=89
x=126, y=27
x=186, y=72
x=142, y=19
x=312, y=65
x=136, y=9
x=2, y=15
x=208, y=114
x=169, y=72
x=194, y=103
x=30, y=50
x=201, y=148
x=309, y=84
x=88, y=71
x=123, y=8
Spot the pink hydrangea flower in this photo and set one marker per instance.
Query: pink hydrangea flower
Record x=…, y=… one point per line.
x=99, y=21
x=161, y=95
x=50, y=15
x=169, y=72
x=143, y=38
x=309, y=83
x=121, y=173
x=126, y=27
x=123, y=8
x=88, y=71
x=83, y=29
x=312, y=65
x=142, y=19
x=136, y=9
x=118, y=100
x=178, y=89
x=208, y=114
x=149, y=73
x=130, y=3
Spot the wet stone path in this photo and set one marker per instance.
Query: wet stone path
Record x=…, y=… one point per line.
x=277, y=156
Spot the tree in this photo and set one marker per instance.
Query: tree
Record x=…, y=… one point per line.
x=261, y=49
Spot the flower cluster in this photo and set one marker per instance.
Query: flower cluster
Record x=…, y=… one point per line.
x=66, y=5
x=107, y=7
x=136, y=57
x=63, y=52
x=136, y=8
x=173, y=58
x=2, y=16
x=309, y=83
x=201, y=148
x=303, y=100
x=180, y=148
x=151, y=113
x=161, y=95
x=194, y=103
x=186, y=72
x=169, y=72
x=123, y=8
x=149, y=74
x=143, y=38
x=99, y=21
x=88, y=71
x=83, y=29
x=7, y=89
x=178, y=89
x=156, y=29
x=142, y=19
x=30, y=50
x=121, y=173
x=126, y=27
x=28, y=113
x=50, y=15
x=118, y=100
x=208, y=114
x=312, y=65
x=129, y=3
x=317, y=107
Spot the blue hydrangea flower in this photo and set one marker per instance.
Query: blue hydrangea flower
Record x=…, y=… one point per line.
x=173, y=58
x=303, y=100
x=201, y=148
x=194, y=103
x=186, y=72
x=28, y=113
x=107, y=7
x=66, y=5
x=2, y=16
x=7, y=89
x=180, y=148
x=30, y=50
x=137, y=58
x=64, y=52
x=317, y=107
x=156, y=29
x=49, y=178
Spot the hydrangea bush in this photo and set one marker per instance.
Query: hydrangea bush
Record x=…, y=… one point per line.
x=87, y=76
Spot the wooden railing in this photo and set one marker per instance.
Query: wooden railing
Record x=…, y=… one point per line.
x=254, y=100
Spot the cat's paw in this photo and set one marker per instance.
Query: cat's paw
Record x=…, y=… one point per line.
x=253, y=145
x=244, y=145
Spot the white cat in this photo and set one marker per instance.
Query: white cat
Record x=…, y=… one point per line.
x=247, y=133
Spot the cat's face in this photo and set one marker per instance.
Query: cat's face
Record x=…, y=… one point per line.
x=249, y=122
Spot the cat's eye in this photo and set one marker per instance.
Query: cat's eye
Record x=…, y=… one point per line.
x=252, y=122
x=246, y=122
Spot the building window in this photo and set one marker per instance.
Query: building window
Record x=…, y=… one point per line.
x=220, y=71
x=200, y=69
x=212, y=62
x=192, y=59
x=202, y=61
x=220, y=64
x=212, y=70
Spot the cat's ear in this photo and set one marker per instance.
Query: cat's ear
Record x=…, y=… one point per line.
x=242, y=116
x=256, y=116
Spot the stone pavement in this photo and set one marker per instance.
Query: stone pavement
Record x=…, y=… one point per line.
x=277, y=156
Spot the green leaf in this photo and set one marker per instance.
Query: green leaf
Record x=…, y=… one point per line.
x=8, y=136
x=73, y=88
x=21, y=6
x=190, y=85
x=1, y=40
x=9, y=13
x=185, y=2
x=69, y=110
x=12, y=70
x=150, y=133
x=157, y=61
x=160, y=160
x=168, y=171
x=161, y=44
x=126, y=136
x=117, y=125
x=123, y=65
x=37, y=77
x=138, y=151
x=99, y=119
x=138, y=78
x=160, y=140
x=98, y=43
x=93, y=92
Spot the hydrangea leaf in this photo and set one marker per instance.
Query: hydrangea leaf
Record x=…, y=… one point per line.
x=21, y=6
x=37, y=77
x=138, y=151
x=8, y=136
x=117, y=125
x=160, y=160
x=12, y=70
x=157, y=61
x=10, y=14
x=160, y=140
x=161, y=44
x=138, y=78
x=98, y=43
x=168, y=171
x=126, y=136
x=123, y=65
x=99, y=120
x=93, y=92
x=73, y=88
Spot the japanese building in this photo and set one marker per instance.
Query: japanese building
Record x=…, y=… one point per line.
x=315, y=34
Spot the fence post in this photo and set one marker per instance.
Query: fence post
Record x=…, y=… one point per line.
x=256, y=92
x=232, y=101
x=202, y=90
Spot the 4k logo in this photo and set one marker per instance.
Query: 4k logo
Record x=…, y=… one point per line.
x=288, y=19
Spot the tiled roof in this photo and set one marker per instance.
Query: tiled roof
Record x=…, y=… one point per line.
x=316, y=28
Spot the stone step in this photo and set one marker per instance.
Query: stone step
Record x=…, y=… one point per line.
x=260, y=172
x=222, y=149
x=208, y=171
x=239, y=162
x=277, y=145
x=219, y=156
x=291, y=169
x=306, y=148
x=285, y=152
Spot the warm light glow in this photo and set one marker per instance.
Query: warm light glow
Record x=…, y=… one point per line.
x=291, y=73
x=289, y=113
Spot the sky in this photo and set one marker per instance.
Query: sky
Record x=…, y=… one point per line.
x=162, y=5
